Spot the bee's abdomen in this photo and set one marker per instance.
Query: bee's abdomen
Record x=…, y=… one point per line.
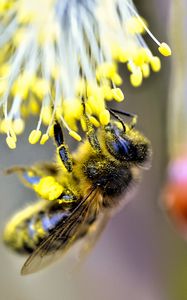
x=28, y=228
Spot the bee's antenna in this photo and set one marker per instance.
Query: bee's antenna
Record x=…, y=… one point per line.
x=118, y=118
x=133, y=116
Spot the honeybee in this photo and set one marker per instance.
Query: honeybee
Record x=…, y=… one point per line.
x=80, y=191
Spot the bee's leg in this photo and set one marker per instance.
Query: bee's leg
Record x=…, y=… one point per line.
x=15, y=169
x=134, y=117
x=29, y=176
x=62, y=149
x=68, y=197
x=90, y=132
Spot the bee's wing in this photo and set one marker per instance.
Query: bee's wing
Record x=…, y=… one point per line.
x=61, y=237
x=93, y=235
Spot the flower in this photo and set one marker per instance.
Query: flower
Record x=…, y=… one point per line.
x=55, y=54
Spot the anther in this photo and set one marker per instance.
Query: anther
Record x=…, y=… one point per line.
x=11, y=142
x=75, y=135
x=117, y=94
x=34, y=136
x=104, y=117
x=44, y=139
x=164, y=49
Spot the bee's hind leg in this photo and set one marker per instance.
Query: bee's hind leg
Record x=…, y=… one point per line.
x=62, y=148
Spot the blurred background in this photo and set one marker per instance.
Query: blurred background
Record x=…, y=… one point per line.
x=141, y=255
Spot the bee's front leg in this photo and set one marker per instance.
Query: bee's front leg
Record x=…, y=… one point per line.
x=62, y=148
x=90, y=131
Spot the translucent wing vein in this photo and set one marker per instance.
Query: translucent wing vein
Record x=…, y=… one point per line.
x=62, y=237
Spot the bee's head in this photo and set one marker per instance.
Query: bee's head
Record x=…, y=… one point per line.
x=127, y=144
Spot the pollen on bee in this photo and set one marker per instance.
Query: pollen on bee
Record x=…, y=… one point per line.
x=48, y=188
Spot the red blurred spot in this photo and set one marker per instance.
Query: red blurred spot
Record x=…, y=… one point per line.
x=175, y=193
x=176, y=200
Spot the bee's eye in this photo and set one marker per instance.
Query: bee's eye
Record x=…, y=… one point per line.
x=124, y=149
x=121, y=147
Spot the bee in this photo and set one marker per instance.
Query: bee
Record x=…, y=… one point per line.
x=79, y=191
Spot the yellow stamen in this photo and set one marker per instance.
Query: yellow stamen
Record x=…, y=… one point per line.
x=145, y=70
x=51, y=84
x=136, y=78
x=116, y=79
x=34, y=136
x=104, y=117
x=94, y=121
x=118, y=94
x=18, y=126
x=44, y=139
x=75, y=135
x=11, y=142
x=46, y=115
x=155, y=63
x=134, y=25
x=164, y=49
x=83, y=124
